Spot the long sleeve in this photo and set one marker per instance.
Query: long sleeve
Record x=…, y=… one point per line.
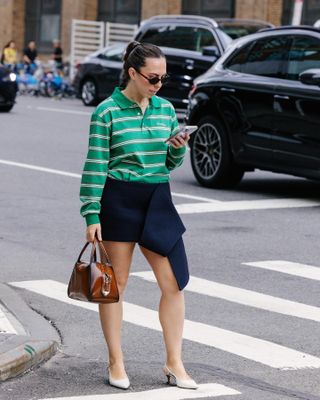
x=174, y=156
x=95, y=168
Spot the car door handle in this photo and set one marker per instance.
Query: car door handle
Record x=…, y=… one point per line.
x=230, y=90
x=278, y=96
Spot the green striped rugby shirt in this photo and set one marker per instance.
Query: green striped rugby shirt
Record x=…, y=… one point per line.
x=128, y=146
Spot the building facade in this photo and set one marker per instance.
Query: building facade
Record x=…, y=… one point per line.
x=45, y=20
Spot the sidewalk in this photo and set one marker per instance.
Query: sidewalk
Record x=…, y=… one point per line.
x=26, y=338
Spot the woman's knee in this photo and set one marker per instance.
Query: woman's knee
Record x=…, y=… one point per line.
x=168, y=284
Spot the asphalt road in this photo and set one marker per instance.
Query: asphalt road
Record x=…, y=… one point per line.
x=262, y=342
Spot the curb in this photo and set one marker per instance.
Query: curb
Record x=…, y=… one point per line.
x=29, y=354
x=36, y=342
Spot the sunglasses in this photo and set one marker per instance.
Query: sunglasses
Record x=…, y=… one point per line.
x=154, y=80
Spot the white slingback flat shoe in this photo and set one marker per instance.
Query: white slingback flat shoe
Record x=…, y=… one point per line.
x=181, y=383
x=119, y=383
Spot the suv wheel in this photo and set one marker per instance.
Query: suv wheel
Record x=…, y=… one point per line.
x=89, y=93
x=210, y=156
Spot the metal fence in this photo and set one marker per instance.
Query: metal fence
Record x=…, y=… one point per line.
x=89, y=36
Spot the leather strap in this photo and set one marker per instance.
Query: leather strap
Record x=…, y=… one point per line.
x=93, y=254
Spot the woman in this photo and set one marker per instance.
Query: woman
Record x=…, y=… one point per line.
x=9, y=55
x=126, y=200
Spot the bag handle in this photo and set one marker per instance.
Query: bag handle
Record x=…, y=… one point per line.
x=93, y=254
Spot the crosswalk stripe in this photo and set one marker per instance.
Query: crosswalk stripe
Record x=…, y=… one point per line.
x=287, y=267
x=242, y=205
x=244, y=296
x=172, y=393
x=258, y=350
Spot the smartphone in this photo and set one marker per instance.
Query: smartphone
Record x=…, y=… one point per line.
x=187, y=129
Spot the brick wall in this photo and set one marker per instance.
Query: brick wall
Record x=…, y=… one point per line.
x=266, y=10
x=6, y=22
x=75, y=9
x=275, y=11
x=12, y=23
x=150, y=8
x=18, y=24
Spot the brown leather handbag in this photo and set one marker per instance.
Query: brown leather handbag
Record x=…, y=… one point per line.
x=94, y=281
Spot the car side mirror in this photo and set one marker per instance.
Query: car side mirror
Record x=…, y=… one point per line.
x=212, y=51
x=310, y=76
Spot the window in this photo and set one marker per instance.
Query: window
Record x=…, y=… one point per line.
x=181, y=37
x=265, y=57
x=239, y=59
x=43, y=23
x=209, y=8
x=304, y=54
x=310, y=12
x=125, y=11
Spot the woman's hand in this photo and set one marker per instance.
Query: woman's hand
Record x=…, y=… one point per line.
x=180, y=141
x=92, y=231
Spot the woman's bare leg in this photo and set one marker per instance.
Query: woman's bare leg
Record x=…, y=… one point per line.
x=120, y=254
x=171, y=311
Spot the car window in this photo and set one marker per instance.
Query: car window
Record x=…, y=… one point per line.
x=236, y=62
x=112, y=54
x=304, y=54
x=265, y=58
x=236, y=30
x=181, y=37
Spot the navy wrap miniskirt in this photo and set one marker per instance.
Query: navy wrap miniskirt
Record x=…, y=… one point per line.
x=144, y=213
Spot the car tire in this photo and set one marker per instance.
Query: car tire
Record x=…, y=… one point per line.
x=6, y=108
x=89, y=93
x=211, y=159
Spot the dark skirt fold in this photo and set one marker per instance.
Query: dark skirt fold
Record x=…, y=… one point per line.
x=144, y=213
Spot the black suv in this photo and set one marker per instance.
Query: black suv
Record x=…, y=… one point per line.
x=258, y=107
x=191, y=44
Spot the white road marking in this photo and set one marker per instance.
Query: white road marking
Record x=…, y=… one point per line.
x=254, y=349
x=65, y=111
x=5, y=324
x=244, y=296
x=287, y=267
x=241, y=205
x=207, y=205
x=42, y=169
x=72, y=175
x=188, y=196
x=172, y=393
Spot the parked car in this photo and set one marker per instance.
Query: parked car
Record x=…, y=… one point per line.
x=191, y=45
x=237, y=27
x=98, y=74
x=258, y=107
x=8, y=88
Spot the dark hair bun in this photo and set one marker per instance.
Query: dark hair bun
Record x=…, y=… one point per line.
x=135, y=56
x=131, y=46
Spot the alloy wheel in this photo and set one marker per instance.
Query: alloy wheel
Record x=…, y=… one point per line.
x=88, y=92
x=207, y=151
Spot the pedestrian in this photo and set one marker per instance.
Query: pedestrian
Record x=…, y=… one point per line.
x=57, y=54
x=30, y=55
x=126, y=200
x=9, y=55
